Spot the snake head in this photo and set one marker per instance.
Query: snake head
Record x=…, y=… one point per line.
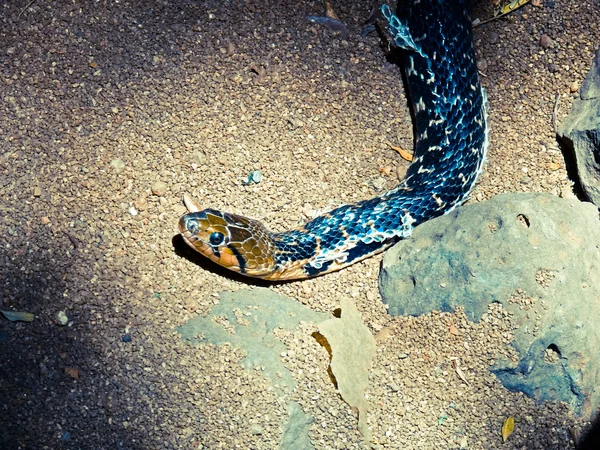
x=238, y=243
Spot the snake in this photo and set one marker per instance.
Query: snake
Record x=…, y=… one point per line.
x=449, y=111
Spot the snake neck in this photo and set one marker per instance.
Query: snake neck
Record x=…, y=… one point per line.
x=451, y=135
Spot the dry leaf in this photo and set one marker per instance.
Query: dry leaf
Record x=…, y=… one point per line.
x=459, y=372
x=15, y=316
x=408, y=156
x=352, y=349
x=508, y=427
x=72, y=372
x=385, y=170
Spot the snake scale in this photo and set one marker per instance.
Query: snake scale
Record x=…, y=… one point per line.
x=450, y=123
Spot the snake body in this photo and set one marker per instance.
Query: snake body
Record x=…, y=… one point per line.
x=449, y=107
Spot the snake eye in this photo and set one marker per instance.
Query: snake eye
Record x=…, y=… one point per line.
x=216, y=238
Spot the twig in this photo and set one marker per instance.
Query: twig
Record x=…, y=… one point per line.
x=73, y=240
x=26, y=8
x=555, y=113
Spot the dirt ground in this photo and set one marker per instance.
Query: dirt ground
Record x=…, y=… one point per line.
x=111, y=110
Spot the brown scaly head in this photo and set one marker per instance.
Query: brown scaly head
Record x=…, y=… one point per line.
x=238, y=243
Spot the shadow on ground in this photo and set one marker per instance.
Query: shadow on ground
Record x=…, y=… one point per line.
x=53, y=382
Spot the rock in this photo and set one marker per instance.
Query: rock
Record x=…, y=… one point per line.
x=65, y=436
x=159, y=188
x=573, y=87
x=537, y=255
x=546, y=42
x=590, y=89
x=295, y=431
x=200, y=157
x=141, y=203
x=378, y=183
x=62, y=318
x=580, y=132
x=118, y=165
x=267, y=311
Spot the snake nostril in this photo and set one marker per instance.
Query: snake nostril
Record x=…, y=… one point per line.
x=192, y=227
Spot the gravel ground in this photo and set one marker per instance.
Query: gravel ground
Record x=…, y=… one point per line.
x=111, y=110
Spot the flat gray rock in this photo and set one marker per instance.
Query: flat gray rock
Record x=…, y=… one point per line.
x=536, y=254
x=295, y=431
x=580, y=132
x=247, y=319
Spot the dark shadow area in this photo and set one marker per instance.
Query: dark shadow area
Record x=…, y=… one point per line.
x=591, y=438
x=566, y=147
x=51, y=375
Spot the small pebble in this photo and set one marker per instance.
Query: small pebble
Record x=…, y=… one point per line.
x=574, y=87
x=62, y=318
x=118, y=165
x=141, y=203
x=401, y=171
x=37, y=191
x=546, y=42
x=65, y=436
x=200, y=157
x=230, y=48
x=378, y=183
x=253, y=177
x=159, y=188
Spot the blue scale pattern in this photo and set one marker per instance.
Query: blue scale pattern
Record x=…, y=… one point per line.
x=449, y=107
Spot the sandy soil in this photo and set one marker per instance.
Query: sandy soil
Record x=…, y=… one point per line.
x=101, y=100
